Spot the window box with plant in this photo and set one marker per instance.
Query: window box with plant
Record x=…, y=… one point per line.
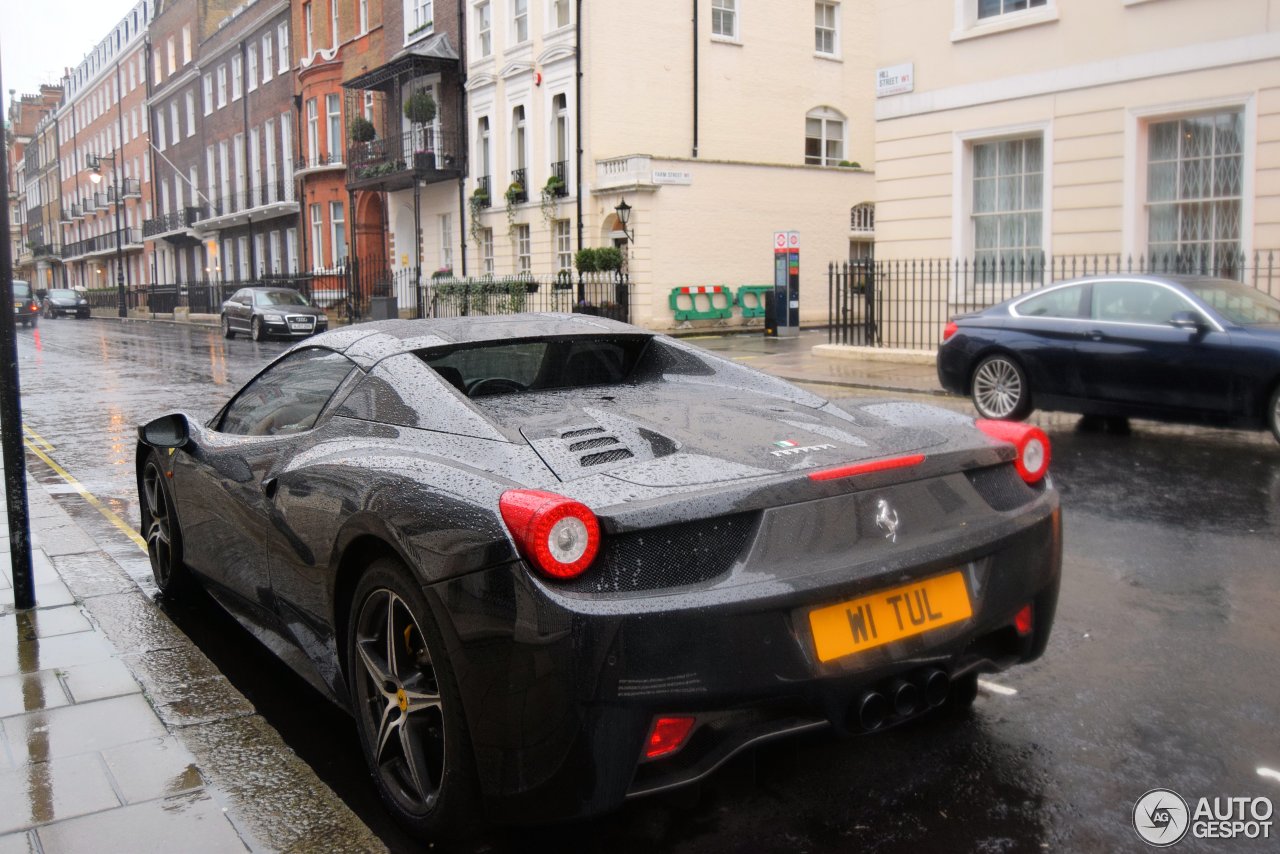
x=553, y=190
x=420, y=31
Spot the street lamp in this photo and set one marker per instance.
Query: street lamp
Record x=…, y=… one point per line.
x=623, y=210
x=95, y=163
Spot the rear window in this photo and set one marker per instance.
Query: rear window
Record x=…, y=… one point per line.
x=538, y=364
x=1236, y=302
x=21, y=289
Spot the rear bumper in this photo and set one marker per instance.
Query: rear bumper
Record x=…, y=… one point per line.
x=952, y=364
x=560, y=692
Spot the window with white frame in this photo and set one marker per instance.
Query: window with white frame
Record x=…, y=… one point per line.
x=267, y=57
x=186, y=44
x=313, y=132
x=824, y=132
x=242, y=257
x=175, y=128
x=333, y=23
x=333, y=112
x=519, y=138
x=564, y=245
x=484, y=29
x=724, y=18
x=368, y=106
x=995, y=8
x=160, y=140
x=482, y=155
x=486, y=250
x=1008, y=202
x=252, y=53
x=364, y=16
x=338, y=232
x=826, y=29
x=560, y=14
x=317, y=237
x=191, y=112
x=282, y=45
x=1195, y=188
x=172, y=55
x=222, y=86
x=308, y=28
x=446, y=241
x=274, y=243
x=560, y=137
x=291, y=250
x=418, y=18
x=524, y=249
x=237, y=78
x=519, y=21
x=208, y=94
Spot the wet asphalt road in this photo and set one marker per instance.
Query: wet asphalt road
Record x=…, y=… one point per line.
x=1162, y=671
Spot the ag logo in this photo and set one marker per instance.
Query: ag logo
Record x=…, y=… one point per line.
x=1161, y=817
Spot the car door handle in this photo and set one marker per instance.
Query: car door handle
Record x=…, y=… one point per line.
x=1095, y=335
x=269, y=486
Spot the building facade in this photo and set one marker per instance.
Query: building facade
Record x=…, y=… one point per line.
x=34, y=239
x=1137, y=128
x=102, y=131
x=749, y=120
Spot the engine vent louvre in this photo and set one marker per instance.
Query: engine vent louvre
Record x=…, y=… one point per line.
x=588, y=444
x=586, y=431
x=602, y=457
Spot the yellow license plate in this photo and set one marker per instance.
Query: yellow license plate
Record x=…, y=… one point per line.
x=889, y=615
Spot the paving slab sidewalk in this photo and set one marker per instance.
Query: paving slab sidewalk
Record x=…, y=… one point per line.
x=118, y=735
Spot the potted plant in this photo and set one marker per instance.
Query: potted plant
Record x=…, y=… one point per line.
x=587, y=260
x=609, y=259
x=552, y=190
x=515, y=193
x=420, y=108
x=361, y=130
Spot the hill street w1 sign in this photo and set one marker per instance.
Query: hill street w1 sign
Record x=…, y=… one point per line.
x=896, y=79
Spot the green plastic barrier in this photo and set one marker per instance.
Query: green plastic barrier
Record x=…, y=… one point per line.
x=752, y=298
x=717, y=299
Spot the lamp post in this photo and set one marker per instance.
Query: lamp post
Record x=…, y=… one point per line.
x=95, y=163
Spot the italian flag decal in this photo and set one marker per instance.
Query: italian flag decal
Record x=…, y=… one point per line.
x=786, y=443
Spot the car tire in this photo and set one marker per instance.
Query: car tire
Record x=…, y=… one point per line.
x=1273, y=413
x=407, y=705
x=160, y=528
x=999, y=389
x=227, y=331
x=257, y=332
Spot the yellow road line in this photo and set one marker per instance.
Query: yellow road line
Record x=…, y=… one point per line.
x=111, y=515
x=39, y=440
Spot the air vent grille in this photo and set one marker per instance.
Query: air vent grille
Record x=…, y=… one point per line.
x=586, y=431
x=603, y=457
x=588, y=444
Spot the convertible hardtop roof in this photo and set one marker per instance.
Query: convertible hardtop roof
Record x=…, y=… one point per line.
x=368, y=343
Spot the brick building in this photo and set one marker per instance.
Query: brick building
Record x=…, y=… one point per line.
x=103, y=120
x=32, y=240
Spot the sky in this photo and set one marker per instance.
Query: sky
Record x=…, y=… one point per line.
x=40, y=38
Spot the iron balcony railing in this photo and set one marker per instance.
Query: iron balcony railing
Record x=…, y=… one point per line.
x=173, y=221
x=558, y=185
x=517, y=191
x=430, y=153
x=46, y=250
x=130, y=188
x=483, y=196
x=129, y=238
x=274, y=193
x=76, y=210
x=319, y=161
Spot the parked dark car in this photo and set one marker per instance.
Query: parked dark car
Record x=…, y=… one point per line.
x=60, y=302
x=552, y=562
x=1172, y=348
x=25, y=308
x=271, y=312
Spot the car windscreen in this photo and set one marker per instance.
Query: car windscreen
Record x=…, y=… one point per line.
x=538, y=364
x=280, y=298
x=59, y=293
x=21, y=290
x=1236, y=302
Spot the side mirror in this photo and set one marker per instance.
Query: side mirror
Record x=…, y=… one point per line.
x=170, y=431
x=1188, y=320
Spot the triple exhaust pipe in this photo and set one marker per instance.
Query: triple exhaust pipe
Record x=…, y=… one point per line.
x=901, y=698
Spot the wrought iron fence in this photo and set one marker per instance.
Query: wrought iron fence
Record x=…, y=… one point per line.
x=600, y=294
x=905, y=304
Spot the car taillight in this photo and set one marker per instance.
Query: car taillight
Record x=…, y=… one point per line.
x=950, y=329
x=667, y=736
x=868, y=468
x=558, y=535
x=34, y=307
x=1031, y=442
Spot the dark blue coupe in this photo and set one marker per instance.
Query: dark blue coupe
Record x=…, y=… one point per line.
x=1171, y=348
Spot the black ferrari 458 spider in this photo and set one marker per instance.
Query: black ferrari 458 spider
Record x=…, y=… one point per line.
x=551, y=562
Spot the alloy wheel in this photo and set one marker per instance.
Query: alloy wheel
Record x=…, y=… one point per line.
x=256, y=327
x=399, y=700
x=159, y=532
x=998, y=388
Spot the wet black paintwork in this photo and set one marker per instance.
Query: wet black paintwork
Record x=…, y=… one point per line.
x=1221, y=373
x=1160, y=671
x=280, y=525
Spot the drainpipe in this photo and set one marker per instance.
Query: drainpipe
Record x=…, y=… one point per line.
x=462, y=155
x=248, y=162
x=695, y=77
x=577, y=62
